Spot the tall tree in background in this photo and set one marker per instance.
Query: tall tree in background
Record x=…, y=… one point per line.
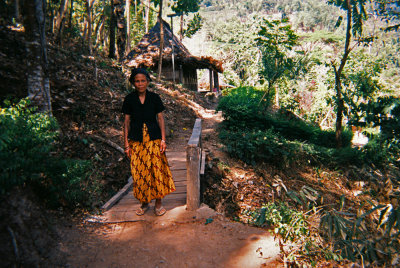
x=71, y=11
x=128, y=24
x=38, y=79
x=160, y=21
x=119, y=7
x=59, y=19
x=113, y=22
x=88, y=33
x=356, y=14
x=275, y=40
x=147, y=15
x=183, y=7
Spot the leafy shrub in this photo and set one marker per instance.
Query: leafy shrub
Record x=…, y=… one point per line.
x=287, y=222
x=252, y=134
x=349, y=237
x=242, y=109
x=26, y=142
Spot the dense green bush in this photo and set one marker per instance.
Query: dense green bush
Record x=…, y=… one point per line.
x=251, y=133
x=26, y=142
x=243, y=109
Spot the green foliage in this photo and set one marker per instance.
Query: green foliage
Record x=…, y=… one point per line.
x=233, y=42
x=275, y=40
x=252, y=134
x=358, y=10
x=286, y=222
x=26, y=142
x=348, y=234
x=185, y=6
x=193, y=26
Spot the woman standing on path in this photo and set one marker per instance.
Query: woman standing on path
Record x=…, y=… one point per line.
x=144, y=138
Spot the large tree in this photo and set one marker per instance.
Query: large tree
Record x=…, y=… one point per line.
x=356, y=14
x=113, y=23
x=183, y=7
x=119, y=11
x=59, y=19
x=276, y=40
x=160, y=21
x=35, y=36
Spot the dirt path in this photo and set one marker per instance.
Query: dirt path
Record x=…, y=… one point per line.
x=178, y=239
x=171, y=243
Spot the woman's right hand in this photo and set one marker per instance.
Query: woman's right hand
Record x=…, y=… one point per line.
x=127, y=151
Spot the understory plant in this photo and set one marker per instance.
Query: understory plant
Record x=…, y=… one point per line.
x=254, y=133
x=27, y=159
x=324, y=233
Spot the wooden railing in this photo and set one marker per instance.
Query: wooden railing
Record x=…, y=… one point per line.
x=195, y=164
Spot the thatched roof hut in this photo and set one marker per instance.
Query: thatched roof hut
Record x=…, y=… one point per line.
x=146, y=55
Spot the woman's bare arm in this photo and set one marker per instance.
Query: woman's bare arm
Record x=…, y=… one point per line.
x=127, y=123
x=161, y=123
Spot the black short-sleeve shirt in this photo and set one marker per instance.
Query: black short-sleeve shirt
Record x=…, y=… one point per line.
x=145, y=113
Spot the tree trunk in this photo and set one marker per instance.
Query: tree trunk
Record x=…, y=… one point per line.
x=88, y=39
x=119, y=7
x=147, y=15
x=339, y=112
x=38, y=80
x=97, y=30
x=338, y=83
x=113, y=22
x=71, y=11
x=16, y=10
x=128, y=24
x=181, y=33
x=161, y=41
x=60, y=18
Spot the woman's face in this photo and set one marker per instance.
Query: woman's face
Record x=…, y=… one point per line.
x=141, y=83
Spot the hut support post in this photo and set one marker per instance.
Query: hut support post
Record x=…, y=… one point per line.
x=211, y=79
x=216, y=82
x=173, y=58
x=193, y=166
x=180, y=74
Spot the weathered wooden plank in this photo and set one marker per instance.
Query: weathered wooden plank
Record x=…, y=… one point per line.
x=177, y=165
x=176, y=156
x=196, y=134
x=179, y=175
x=117, y=196
x=180, y=183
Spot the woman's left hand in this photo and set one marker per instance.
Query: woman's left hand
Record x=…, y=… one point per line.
x=163, y=146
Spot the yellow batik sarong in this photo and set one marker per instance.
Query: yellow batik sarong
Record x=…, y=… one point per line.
x=152, y=178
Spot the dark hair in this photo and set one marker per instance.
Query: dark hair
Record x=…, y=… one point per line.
x=137, y=71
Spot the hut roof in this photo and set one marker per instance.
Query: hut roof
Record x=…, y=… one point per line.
x=146, y=53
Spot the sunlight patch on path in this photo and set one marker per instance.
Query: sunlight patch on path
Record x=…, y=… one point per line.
x=260, y=250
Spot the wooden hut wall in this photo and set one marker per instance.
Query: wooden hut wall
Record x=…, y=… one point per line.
x=190, y=77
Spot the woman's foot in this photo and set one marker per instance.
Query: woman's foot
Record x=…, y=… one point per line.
x=143, y=208
x=159, y=210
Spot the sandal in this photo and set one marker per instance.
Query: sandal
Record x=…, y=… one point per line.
x=141, y=210
x=159, y=211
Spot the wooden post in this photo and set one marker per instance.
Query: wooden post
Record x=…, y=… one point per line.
x=193, y=164
x=211, y=80
x=216, y=82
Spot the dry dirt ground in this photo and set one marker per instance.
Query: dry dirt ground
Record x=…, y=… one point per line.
x=170, y=241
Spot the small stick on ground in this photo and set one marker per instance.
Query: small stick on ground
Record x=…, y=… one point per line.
x=109, y=143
